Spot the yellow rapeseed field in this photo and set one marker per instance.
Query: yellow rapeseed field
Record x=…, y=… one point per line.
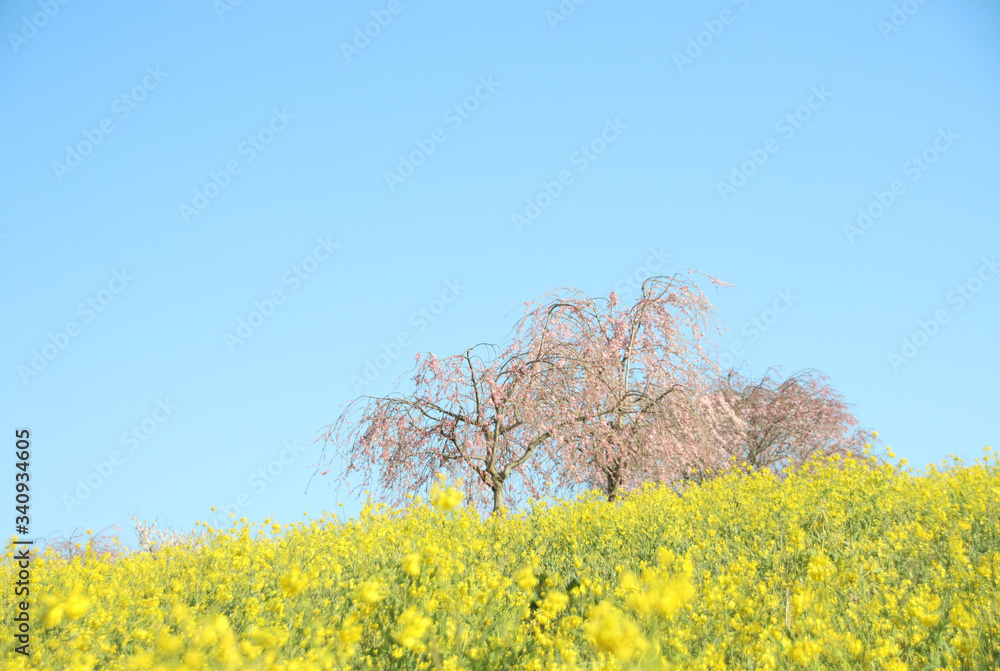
x=840, y=565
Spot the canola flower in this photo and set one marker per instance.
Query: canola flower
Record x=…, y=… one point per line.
x=613, y=632
x=842, y=564
x=445, y=498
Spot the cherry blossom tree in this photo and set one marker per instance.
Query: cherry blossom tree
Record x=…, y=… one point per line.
x=78, y=545
x=466, y=416
x=780, y=424
x=638, y=379
x=151, y=540
x=587, y=394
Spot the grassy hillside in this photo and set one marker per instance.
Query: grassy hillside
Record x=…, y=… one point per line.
x=840, y=565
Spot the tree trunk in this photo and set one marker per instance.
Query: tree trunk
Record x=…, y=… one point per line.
x=614, y=480
x=497, y=498
x=612, y=488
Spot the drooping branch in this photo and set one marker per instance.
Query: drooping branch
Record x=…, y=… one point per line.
x=466, y=415
x=623, y=372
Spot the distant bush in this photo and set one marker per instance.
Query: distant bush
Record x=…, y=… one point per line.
x=151, y=541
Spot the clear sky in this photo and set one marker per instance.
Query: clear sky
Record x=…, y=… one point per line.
x=344, y=177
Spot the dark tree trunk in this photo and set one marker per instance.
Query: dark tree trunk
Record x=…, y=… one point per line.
x=613, y=482
x=497, y=498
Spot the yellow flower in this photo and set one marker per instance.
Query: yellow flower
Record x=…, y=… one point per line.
x=804, y=651
x=350, y=633
x=450, y=499
x=76, y=605
x=962, y=644
x=218, y=623
x=628, y=581
x=445, y=499
x=960, y=618
x=923, y=607
x=211, y=628
x=555, y=601
x=614, y=633
x=194, y=660
x=293, y=582
x=411, y=564
x=180, y=612
x=821, y=568
x=168, y=644
x=54, y=616
x=414, y=626
x=855, y=647
x=550, y=606
x=141, y=660
x=370, y=591
x=665, y=597
x=265, y=638
x=525, y=578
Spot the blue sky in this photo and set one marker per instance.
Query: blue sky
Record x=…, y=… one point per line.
x=174, y=168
